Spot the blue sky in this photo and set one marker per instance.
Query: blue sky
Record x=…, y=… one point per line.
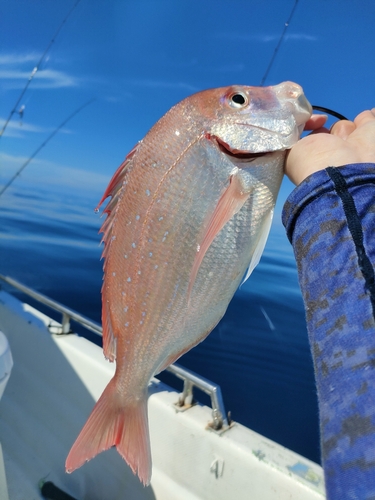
x=139, y=57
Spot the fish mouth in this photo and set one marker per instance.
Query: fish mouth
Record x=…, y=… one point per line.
x=235, y=153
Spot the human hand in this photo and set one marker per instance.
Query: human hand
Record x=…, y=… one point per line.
x=346, y=142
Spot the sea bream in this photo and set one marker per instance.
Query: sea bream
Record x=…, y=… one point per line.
x=189, y=215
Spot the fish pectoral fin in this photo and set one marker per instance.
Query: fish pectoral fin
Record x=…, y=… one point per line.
x=257, y=254
x=230, y=202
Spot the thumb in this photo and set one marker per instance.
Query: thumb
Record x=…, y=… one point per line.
x=343, y=129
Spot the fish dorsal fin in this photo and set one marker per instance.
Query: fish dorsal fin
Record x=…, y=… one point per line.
x=113, y=190
x=260, y=245
x=118, y=177
x=230, y=202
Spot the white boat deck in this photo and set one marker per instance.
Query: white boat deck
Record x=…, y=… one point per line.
x=52, y=388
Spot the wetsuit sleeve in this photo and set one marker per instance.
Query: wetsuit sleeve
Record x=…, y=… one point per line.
x=330, y=221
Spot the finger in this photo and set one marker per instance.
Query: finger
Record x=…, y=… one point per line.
x=321, y=130
x=365, y=117
x=343, y=129
x=315, y=122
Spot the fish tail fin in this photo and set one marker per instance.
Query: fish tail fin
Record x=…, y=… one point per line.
x=112, y=424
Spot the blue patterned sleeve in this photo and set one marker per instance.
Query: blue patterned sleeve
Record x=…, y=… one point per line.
x=330, y=221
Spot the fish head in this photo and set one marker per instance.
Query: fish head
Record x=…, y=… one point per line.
x=255, y=119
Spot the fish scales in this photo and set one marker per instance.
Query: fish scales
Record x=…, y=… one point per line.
x=190, y=212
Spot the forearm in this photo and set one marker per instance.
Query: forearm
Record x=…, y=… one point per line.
x=330, y=220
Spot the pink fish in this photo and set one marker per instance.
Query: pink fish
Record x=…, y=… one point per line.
x=190, y=212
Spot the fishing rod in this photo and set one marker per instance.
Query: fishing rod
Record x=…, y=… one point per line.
x=43, y=144
x=36, y=68
x=286, y=26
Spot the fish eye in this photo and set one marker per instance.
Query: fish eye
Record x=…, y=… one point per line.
x=238, y=100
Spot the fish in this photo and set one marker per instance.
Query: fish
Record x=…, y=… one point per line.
x=188, y=218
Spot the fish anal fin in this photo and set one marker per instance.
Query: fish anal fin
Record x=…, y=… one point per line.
x=112, y=424
x=174, y=357
x=230, y=202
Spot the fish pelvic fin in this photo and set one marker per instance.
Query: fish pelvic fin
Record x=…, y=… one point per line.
x=230, y=202
x=113, y=424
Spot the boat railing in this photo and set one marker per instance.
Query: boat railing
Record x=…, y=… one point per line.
x=190, y=379
x=67, y=313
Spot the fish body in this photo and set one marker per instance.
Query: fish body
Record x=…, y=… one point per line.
x=190, y=212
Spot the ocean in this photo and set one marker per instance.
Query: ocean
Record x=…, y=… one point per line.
x=259, y=352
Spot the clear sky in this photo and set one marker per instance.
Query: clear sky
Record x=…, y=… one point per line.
x=139, y=57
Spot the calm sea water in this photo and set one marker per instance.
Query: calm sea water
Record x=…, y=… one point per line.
x=258, y=353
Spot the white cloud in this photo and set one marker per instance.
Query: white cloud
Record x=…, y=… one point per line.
x=301, y=36
x=43, y=79
x=17, y=128
x=231, y=68
x=14, y=59
x=265, y=38
x=16, y=69
x=162, y=84
x=51, y=173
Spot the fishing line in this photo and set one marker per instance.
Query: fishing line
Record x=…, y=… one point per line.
x=43, y=144
x=36, y=68
x=286, y=26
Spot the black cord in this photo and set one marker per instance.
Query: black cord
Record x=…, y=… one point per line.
x=330, y=112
